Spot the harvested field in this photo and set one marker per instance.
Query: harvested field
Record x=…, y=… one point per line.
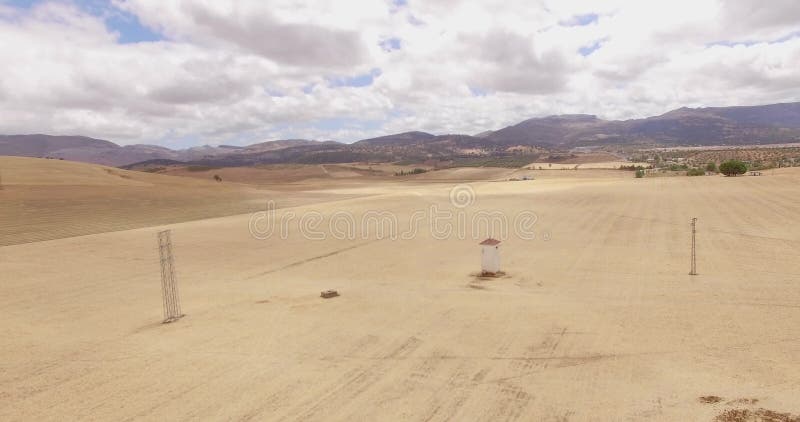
x=53, y=199
x=608, y=165
x=596, y=318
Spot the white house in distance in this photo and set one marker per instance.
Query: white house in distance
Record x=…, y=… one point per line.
x=490, y=256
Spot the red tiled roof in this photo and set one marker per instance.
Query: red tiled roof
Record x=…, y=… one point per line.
x=490, y=242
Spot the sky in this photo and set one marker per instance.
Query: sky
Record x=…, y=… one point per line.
x=183, y=73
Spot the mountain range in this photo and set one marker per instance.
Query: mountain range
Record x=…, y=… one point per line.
x=774, y=123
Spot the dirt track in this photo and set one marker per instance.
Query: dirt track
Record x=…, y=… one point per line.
x=600, y=322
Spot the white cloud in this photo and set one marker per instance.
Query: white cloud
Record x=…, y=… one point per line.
x=236, y=71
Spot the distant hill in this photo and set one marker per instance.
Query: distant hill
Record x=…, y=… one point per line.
x=405, y=138
x=78, y=148
x=775, y=123
x=684, y=126
x=551, y=130
x=99, y=151
x=276, y=145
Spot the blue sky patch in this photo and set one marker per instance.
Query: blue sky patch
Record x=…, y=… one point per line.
x=732, y=43
x=748, y=43
x=272, y=92
x=477, y=91
x=390, y=44
x=130, y=29
x=581, y=20
x=22, y=4
x=127, y=25
x=591, y=48
x=415, y=21
x=365, y=79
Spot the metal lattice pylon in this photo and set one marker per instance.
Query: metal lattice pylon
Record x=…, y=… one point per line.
x=169, y=285
x=693, y=271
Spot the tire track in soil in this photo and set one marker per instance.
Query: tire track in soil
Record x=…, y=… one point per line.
x=354, y=383
x=313, y=258
x=450, y=408
x=460, y=385
x=512, y=400
x=274, y=401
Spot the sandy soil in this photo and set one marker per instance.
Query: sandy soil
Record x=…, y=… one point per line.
x=596, y=318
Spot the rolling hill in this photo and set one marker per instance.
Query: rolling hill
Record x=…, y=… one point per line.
x=99, y=151
x=774, y=123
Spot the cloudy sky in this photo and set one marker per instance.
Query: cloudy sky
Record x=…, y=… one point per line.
x=180, y=73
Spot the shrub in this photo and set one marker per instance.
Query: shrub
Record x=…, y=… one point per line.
x=217, y=178
x=712, y=167
x=696, y=172
x=414, y=171
x=200, y=168
x=762, y=166
x=639, y=173
x=733, y=168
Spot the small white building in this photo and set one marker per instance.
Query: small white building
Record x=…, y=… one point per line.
x=490, y=256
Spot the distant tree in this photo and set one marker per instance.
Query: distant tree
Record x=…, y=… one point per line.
x=639, y=173
x=712, y=167
x=733, y=168
x=217, y=178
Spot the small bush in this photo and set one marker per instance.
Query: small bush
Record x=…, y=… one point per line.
x=696, y=172
x=712, y=167
x=639, y=173
x=200, y=168
x=406, y=173
x=733, y=168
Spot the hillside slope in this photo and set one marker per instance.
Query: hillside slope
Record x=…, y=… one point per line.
x=766, y=124
x=774, y=123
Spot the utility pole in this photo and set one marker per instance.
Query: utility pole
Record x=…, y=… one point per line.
x=694, y=248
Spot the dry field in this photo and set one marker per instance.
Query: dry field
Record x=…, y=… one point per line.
x=596, y=318
x=276, y=175
x=52, y=199
x=763, y=155
x=607, y=165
